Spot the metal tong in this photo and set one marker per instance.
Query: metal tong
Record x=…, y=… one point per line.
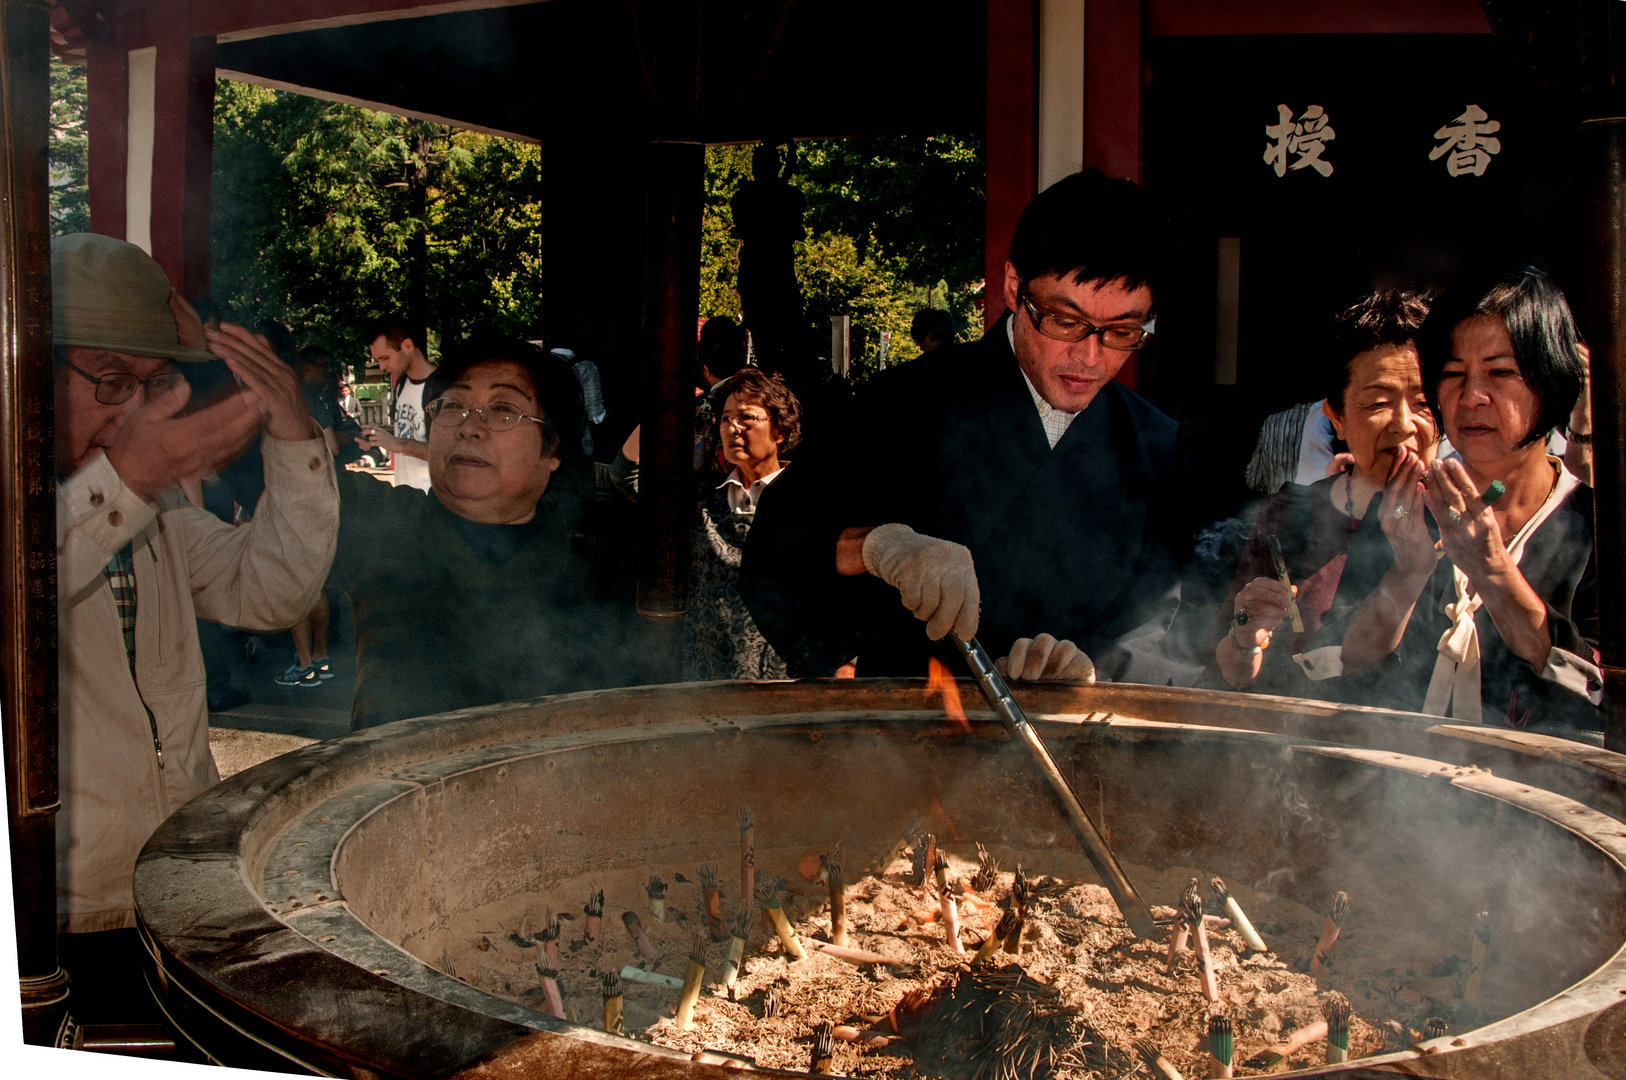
x=998, y=696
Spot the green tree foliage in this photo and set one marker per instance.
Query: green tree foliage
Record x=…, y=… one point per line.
x=894, y=224
x=324, y=215
x=68, y=156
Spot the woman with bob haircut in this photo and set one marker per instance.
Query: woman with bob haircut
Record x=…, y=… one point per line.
x=1506, y=628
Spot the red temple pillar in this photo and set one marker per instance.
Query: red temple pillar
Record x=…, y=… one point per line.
x=1009, y=144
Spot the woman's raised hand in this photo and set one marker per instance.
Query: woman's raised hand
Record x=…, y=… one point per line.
x=1468, y=529
x=1265, y=601
x=1402, y=511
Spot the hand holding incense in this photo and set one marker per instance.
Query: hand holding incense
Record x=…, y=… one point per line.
x=691, y=984
x=1249, y=935
x=1294, y=1042
x=1152, y=1054
x=1329, y=932
x=635, y=930
x=951, y=910
x=836, y=882
x=768, y=897
x=1337, y=1012
x=657, y=898
x=1221, y=1039
x=614, y=999
x=1287, y=583
x=748, y=855
x=824, y=1049
x=1493, y=491
x=550, y=992
x=1194, y=918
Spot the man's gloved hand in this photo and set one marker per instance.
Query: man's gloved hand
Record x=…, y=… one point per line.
x=934, y=578
x=1045, y=658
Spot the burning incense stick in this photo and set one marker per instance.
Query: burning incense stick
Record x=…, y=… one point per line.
x=614, y=999
x=1396, y=1036
x=772, y=1002
x=768, y=897
x=1337, y=1012
x=884, y=861
x=1434, y=1028
x=824, y=1049
x=657, y=898
x=739, y=928
x=1019, y=904
x=1287, y=583
x=691, y=984
x=1220, y=1046
x=1178, y=933
x=1194, y=917
x=1329, y=932
x=1294, y=1042
x=951, y=910
x=987, y=870
x=548, y=938
x=594, y=912
x=635, y=930
x=1250, y=936
x=550, y=992
x=713, y=895
x=1484, y=927
x=836, y=882
x=649, y=978
x=748, y=855
x=1152, y=1054
x=856, y=957
x=1008, y=923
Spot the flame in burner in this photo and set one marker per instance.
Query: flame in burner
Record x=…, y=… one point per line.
x=938, y=678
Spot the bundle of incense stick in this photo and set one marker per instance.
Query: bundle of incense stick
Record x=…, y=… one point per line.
x=1434, y=1028
x=824, y=1049
x=835, y=881
x=1009, y=923
x=922, y=858
x=550, y=992
x=1287, y=583
x=1019, y=904
x=885, y=860
x=987, y=870
x=614, y=999
x=739, y=928
x=1329, y=932
x=548, y=938
x=1484, y=927
x=657, y=898
x=713, y=898
x=691, y=984
x=1221, y=1039
x=748, y=855
x=635, y=930
x=1336, y=1011
x=1159, y=1065
x=773, y=1002
x=1294, y=1042
x=1396, y=1036
x=768, y=897
x=1250, y=936
x=951, y=910
x=1178, y=933
x=1194, y=917
x=593, y=911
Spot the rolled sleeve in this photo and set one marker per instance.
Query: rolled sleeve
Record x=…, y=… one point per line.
x=96, y=515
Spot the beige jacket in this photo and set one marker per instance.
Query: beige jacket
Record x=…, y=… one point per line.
x=259, y=576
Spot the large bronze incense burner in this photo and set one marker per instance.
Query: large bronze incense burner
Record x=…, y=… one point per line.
x=309, y=914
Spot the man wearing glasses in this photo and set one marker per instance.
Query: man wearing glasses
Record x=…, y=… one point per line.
x=1032, y=498
x=137, y=565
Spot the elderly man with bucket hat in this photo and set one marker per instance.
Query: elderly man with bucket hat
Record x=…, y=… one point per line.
x=136, y=563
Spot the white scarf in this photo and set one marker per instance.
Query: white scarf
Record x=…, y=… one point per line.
x=1453, y=690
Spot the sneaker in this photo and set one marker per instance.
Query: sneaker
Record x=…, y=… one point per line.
x=324, y=668
x=298, y=676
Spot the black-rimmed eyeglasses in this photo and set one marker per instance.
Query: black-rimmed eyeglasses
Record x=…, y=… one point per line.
x=115, y=388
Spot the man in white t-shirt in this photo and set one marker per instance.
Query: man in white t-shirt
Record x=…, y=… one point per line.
x=396, y=349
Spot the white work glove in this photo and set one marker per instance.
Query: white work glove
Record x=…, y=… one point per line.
x=1044, y=658
x=934, y=578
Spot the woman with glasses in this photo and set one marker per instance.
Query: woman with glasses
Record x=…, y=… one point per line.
x=1274, y=639
x=1506, y=627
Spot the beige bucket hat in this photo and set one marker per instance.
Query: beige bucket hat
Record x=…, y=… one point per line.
x=109, y=294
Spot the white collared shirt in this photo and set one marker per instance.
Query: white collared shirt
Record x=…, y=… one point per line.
x=1055, y=421
x=742, y=499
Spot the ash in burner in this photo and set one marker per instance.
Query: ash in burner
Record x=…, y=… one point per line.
x=1065, y=990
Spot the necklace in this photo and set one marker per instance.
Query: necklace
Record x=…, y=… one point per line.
x=1349, y=498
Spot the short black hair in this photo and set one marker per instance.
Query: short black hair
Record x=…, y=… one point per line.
x=1387, y=317
x=934, y=321
x=722, y=347
x=281, y=339
x=1538, y=322
x=1090, y=228
x=558, y=393
x=394, y=329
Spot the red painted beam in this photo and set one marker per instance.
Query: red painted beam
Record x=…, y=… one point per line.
x=1112, y=88
x=1191, y=18
x=1009, y=144
x=238, y=19
x=107, y=110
